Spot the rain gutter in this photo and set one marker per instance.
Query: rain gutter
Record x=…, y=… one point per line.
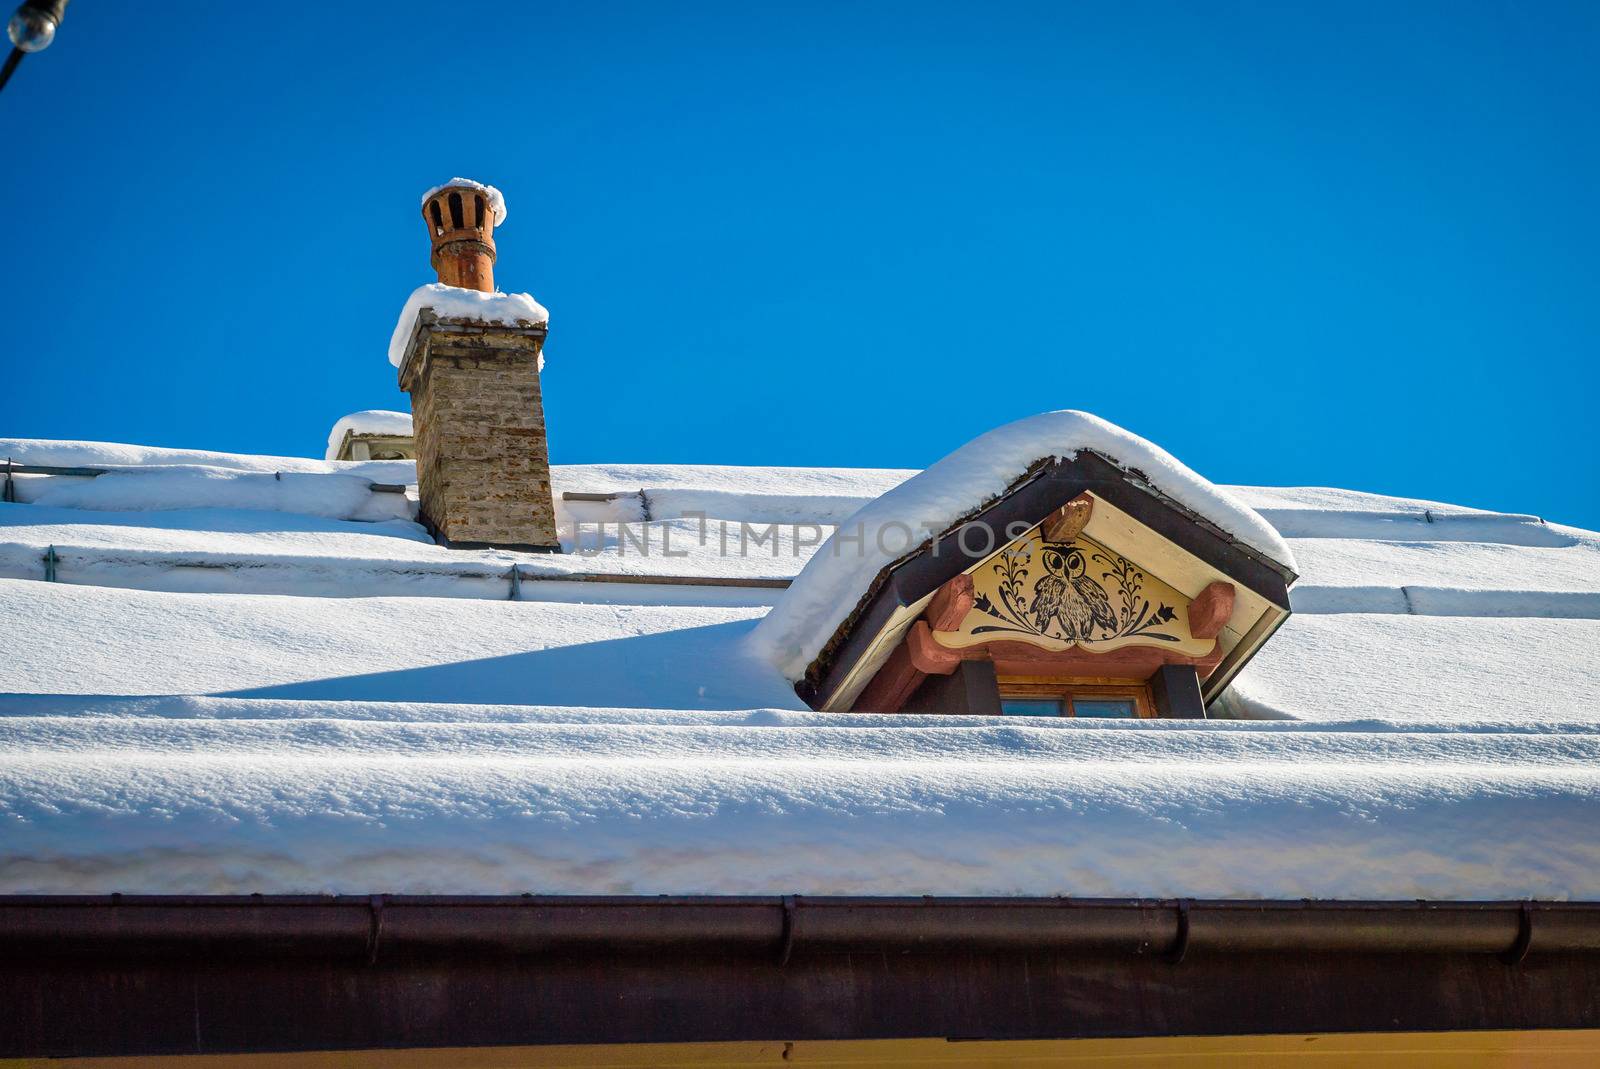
x=363, y=927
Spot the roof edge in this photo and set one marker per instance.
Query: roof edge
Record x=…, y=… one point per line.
x=468, y=926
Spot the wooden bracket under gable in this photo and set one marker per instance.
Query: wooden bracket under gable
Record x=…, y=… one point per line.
x=936, y=644
x=1211, y=610
x=1068, y=521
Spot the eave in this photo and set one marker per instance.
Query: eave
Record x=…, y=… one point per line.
x=127, y=976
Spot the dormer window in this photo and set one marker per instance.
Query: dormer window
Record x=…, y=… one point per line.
x=1080, y=591
x=1098, y=701
x=357, y=446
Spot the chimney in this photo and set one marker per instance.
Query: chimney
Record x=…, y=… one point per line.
x=471, y=365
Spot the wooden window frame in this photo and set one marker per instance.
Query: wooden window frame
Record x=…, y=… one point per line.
x=1064, y=690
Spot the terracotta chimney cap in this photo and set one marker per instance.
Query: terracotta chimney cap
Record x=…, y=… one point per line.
x=461, y=216
x=496, y=200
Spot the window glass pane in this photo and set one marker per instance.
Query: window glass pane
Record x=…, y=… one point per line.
x=1030, y=707
x=1109, y=707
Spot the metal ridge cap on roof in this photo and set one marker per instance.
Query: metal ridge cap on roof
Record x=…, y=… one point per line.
x=9, y=468
x=65, y=560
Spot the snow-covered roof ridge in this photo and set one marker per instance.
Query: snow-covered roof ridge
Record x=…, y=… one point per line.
x=112, y=455
x=497, y=200
x=453, y=302
x=370, y=421
x=334, y=496
x=833, y=582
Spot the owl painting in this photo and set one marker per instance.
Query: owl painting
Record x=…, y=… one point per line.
x=1066, y=595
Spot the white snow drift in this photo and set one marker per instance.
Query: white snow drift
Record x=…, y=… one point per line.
x=238, y=796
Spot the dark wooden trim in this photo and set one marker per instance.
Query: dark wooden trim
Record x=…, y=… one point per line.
x=1175, y=690
x=971, y=690
x=132, y=976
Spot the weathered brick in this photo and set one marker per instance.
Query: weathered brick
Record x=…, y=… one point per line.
x=483, y=466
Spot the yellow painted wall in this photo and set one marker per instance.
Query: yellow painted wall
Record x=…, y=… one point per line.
x=1411, y=1050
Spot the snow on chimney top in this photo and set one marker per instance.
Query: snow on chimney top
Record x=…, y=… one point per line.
x=461, y=216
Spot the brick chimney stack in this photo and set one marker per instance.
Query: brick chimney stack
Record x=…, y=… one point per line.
x=461, y=218
x=471, y=365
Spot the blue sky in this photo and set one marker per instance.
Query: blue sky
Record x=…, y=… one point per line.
x=1328, y=244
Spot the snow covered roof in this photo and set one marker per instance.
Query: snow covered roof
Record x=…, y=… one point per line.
x=239, y=682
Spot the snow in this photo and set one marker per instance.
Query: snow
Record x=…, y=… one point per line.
x=229, y=699
x=836, y=578
x=250, y=551
x=672, y=491
x=237, y=796
x=336, y=496
x=371, y=421
x=1357, y=563
x=48, y=452
x=1393, y=569
x=497, y=202
x=381, y=648
x=734, y=482
x=237, y=533
x=1423, y=669
x=826, y=496
x=453, y=302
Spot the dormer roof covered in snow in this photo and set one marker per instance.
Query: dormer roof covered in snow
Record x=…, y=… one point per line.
x=1059, y=547
x=372, y=435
